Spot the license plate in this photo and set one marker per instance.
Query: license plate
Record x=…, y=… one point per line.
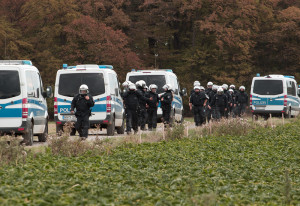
x=259, y=102
x=69, y=117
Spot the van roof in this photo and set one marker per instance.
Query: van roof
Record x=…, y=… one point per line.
x=149, y=72
x=87, y=67
x=278, y=76
x=275, y=76
x=152, y=70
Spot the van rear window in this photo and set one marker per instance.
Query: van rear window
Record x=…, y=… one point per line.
x=268, y=87
x=69, y=83
x=159, y=80
x=9, y=84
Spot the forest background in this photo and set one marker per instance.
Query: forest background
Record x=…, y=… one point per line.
x=223, y=41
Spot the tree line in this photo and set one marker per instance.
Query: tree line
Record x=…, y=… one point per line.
x=223, y=41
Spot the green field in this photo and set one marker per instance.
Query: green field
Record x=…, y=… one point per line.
x=260, y=168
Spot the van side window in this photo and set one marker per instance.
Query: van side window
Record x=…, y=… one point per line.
x=174, y=83
x=36, y=83
x=113, y=84
x=291, y=89
x=30, y=87
x=41, y=83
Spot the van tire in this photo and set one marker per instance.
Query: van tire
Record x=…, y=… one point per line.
x=288, y=115
x=111, y=128
x=172, y=118
x=182, y=118
x=121, y=130
x=28, y=136
x=43, y=137
x=59, y=129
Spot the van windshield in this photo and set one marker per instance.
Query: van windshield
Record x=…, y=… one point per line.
x=9, y=84
x=268, y=87
x=69, y=83
x=158, y=80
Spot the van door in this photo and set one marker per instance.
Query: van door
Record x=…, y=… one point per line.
x=10, y=99
x=177, y=102
x=36, y=108
x=117, y=105
x=292, y=99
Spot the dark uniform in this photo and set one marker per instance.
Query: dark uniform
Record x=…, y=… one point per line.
x=229, y=102
x=82, y=113
x=152, y=110
x=210, y=93
x=219, y=103
x=197, y=100
x=131, y=100
x=234, y=109
x=166, y=105
x=142, y=111
x=241, y=102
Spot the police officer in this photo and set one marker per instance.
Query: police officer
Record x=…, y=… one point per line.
x=198, y=102
x=233, y=96
x=82, y=102
x=152, y=107
x=131, y=100
x=229, y=100
x=219, y=102
x=241, y=101
x=142, y=112
x=209, y=92
x=166, y=103
x=196, y=83
x=126, y=86
x=231, y=92
x=213, y=108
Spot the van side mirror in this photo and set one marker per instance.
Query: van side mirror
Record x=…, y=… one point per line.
x=183, y=92
x=117, y=91
x=48, y=93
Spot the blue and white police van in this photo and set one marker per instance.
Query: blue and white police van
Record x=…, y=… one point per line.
x=102, y=80
x=160, y=77
x=23, y=106
x=276, y=95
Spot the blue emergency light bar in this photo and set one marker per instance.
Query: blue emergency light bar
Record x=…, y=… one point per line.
x=65, y=66
x=166, y=70
x=106, y=67
x=292, y=77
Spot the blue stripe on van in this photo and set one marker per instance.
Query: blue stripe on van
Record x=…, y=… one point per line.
x=11, y=112
x=275, y=102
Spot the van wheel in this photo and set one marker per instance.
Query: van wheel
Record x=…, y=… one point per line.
x=288, y=115
x=59, y=129
x=121, y=130
x=111, y=128
x=254, y=117
x=28, y=136
x=182, y=118
x=172, y=118
x=43, y=137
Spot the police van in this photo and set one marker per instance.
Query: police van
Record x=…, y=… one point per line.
x=102, y=80
x=160, y=77
x=276, y=95
x=23, y=106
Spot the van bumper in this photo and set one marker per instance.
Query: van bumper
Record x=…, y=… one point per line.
x=284, y=111
x=15, y=130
